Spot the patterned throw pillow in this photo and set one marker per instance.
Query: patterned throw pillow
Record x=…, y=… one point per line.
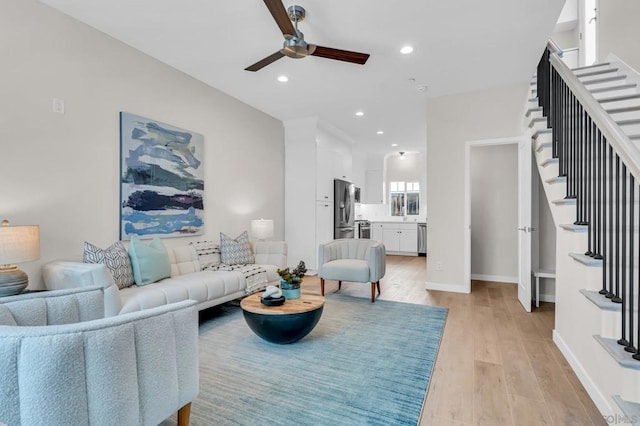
x=208, y=253
x=115, y=258
x=236, y=251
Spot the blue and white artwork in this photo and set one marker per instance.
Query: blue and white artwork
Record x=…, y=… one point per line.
x=162, y=179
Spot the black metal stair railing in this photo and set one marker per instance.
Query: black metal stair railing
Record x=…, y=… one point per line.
x=599, y=179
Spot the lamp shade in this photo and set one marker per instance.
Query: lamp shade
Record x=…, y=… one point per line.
x=262, y=229
x=19, y=244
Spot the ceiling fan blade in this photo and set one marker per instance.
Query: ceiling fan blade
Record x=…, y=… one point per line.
x=281, y=17
x=340, y=55
x=264, y=62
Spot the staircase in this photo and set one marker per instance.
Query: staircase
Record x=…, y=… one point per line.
x=585, y=128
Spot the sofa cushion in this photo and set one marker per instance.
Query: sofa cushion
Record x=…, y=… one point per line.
x=115, y=258
x=150, y=262
x=236, y=251
x=346, y=270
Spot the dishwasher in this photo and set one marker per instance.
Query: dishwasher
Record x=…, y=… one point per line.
x=422, y=239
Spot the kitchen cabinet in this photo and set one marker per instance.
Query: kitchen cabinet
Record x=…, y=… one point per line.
x=330, y=165
x=324, y=175
x=324, y=222
x=398, y=238
x=376, y=231
x=373, y=186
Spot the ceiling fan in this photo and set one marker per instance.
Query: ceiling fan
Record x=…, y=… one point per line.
x=294, y=45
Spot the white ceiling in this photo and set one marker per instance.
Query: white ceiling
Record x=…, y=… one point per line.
x=460, y=46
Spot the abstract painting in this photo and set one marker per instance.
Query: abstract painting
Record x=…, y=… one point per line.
x=161, y=179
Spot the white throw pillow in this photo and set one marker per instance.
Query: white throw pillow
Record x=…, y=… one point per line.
x=208, y=253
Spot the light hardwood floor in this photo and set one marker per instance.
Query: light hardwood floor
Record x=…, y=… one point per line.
x=497, y=364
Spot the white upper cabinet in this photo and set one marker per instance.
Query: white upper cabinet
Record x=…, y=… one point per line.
x=324, y=174
x=373, y=187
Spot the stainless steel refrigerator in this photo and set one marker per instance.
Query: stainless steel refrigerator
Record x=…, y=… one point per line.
x=344, y=209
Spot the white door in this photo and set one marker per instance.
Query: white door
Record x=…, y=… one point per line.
x=524, y=223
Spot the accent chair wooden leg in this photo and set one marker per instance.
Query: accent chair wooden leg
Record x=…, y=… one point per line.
x=183, y=415
x=322, y=286
x=339, y=285
x=378, y=285
x=373, y=292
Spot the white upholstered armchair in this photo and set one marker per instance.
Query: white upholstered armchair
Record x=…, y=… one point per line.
x=63, y=363
x=354, y=260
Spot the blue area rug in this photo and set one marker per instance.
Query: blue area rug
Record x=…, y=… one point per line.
x=364, y=363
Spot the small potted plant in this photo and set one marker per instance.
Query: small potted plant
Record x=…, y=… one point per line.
x=290, y=280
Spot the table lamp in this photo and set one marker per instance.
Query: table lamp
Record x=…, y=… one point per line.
x=262, y=229
x=17, y=244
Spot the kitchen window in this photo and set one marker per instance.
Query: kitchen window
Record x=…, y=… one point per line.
x=404, y=198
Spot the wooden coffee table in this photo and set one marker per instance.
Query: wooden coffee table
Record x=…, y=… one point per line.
x=283, y=324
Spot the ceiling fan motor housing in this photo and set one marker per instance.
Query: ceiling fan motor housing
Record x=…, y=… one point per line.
x=295, y=47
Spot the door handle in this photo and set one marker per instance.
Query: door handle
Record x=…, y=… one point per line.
x=527, y=229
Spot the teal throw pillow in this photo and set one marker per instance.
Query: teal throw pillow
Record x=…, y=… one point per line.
x=150, y=262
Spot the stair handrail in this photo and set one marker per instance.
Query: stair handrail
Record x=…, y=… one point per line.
x=628, y=153
x=554, y=48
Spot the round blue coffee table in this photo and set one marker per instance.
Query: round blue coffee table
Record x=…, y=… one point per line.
x=286, y=323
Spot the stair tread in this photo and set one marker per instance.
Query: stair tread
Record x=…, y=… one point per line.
x=565, y=201
x=619, y=98
x=586, y=67
x=628, y=122
x=532, y=110
x=557, y=179
x=549, y=161
x=585, y=260
x=618, y=353
x=600, y=301
x=605, y=79
x=630, y=409
x=597, y=72
x=613, y=88
x=541, y=132
x=536, y=120
x=544, y=145
x=623, y=109
x=574, y=228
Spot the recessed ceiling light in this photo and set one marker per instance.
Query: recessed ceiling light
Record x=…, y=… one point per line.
x=283, y=78
x=359, y=113
x=394, y=144
x=380, y=132
x=406, y=50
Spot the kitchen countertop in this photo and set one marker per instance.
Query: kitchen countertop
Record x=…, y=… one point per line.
x=395, y=220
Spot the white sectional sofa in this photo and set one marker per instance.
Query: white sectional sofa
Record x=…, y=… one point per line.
x=187, y=281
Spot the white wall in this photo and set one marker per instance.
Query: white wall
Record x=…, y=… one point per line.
x=62, y=171
x=618, y=30
x=451, y=121
x=494, y=213
x=409, y=169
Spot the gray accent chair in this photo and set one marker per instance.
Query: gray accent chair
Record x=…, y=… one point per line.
x=353, y=260
x=64, y=363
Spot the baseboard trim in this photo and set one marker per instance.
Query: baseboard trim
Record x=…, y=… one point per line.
x=600, y=400
x=453, y=288
x=495, y=278
x=548, y=298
